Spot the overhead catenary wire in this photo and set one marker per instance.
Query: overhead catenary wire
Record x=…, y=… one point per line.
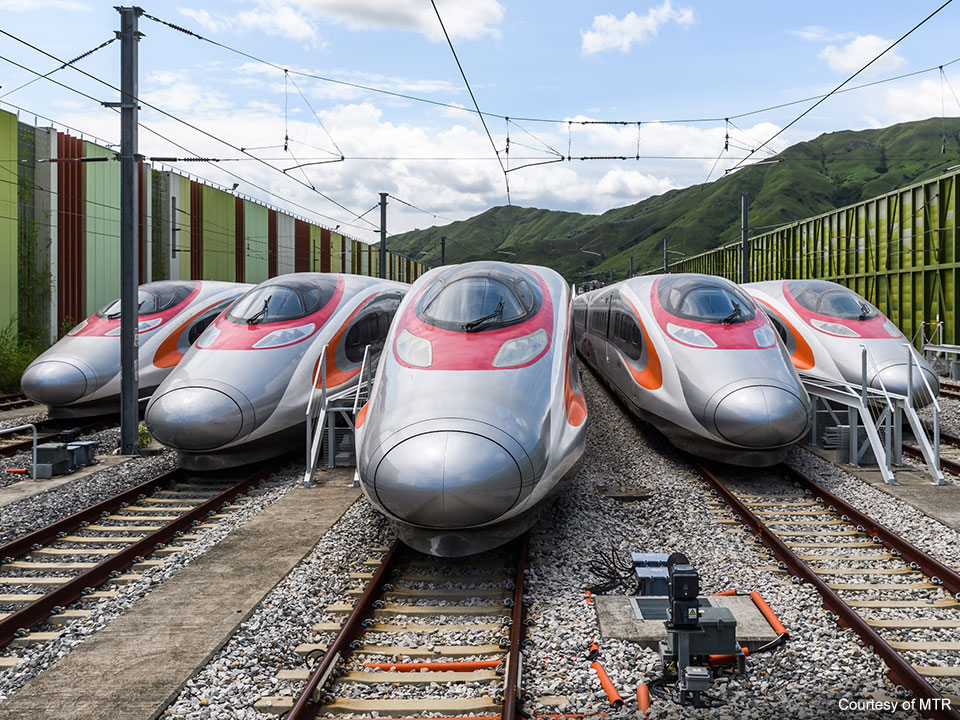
x=68, y=63
x=181, y=147
x=171, y=116
x=466, y=82
x=836, y=89
x=453, y=106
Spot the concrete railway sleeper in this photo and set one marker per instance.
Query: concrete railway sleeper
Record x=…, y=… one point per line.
x=49, y=569
x=841, y=567
x=401, y=584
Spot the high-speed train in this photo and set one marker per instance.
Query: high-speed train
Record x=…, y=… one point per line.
x=241, y=392
x=824, y=325
x=694, y=356
x=476, y=415
x=80, y=374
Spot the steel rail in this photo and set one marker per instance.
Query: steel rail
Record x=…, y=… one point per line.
x=41, y=609
x=54, y=436
x=951, y=466
x=26, y=543
x=12, y=402
x=510, y=708
x=900, y=671
x=307, y=703
x=930, y=566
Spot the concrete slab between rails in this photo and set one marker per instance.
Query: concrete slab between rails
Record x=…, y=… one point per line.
x=941, y=502
x=29, y=488
x=617, y=620
x=138, y=664
x=17, y=413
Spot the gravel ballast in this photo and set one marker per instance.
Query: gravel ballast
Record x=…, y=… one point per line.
x=818, y=668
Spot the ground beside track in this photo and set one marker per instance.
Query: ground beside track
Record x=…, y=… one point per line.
x=136, y=665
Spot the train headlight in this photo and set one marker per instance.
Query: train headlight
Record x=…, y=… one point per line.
x=833, y=328
x=521, y=350
x=690, y=336
x=892, y=330
x=208, y=337
x=765, y=336
x=142, y=327
x=78, y=328
x=285, y=336
x=413, y=350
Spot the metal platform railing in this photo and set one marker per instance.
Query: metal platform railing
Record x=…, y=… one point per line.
x=323, y=413
x=880, y=414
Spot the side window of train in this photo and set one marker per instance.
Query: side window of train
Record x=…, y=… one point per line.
x=627, y=336
x=778, y=325
x=201, y=325
x=365, y=331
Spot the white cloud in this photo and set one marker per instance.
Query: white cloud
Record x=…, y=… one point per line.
x=32, y=5
x=818, y=34
x=467, y=20
x=203, y=18
x=632, y=186
x=270, y=16
x=279, y=20
x=610, y=33
x=858, y=52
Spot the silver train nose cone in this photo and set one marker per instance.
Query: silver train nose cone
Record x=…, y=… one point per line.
x=53, y=382
x=194, y=418
x=761, y=416
x=447, y=479
x=894, y=379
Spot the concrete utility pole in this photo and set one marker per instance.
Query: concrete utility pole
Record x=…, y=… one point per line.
x=129, y=213
x=666, y=261
x=383, y=234
x=744, y=248
x=443, y=251
x=631, y=267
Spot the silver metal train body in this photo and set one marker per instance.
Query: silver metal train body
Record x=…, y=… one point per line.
x=693, y=355
x=241, y=392
x=477, y=414
x=825, y=326
x=80, y=374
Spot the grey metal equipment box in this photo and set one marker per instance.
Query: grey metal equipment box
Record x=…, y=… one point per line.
x=651, y=570
x=52, y=453
x=696, y=679
x=719, y=636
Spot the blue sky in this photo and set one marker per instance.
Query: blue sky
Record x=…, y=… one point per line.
x=652, y=62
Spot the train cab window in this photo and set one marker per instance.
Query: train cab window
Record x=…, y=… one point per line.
x=152, y=298
x=479, y=297
x=830, y=299
x=704, y=299
x=287, y=299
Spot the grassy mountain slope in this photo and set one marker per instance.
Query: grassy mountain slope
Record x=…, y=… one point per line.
x=834, y=170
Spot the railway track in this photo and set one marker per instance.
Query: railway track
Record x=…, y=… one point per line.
x=12, y=402
x=949, y=389
x=469, y=618
x=948, y=463
x=48, y=432
x=889, y=592
x=50, y=575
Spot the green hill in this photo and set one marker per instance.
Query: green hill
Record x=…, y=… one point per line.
x=834, y=170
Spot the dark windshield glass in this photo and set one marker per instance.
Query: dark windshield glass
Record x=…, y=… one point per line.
x=284, y=299
x=153, y=298
x=704, y=299
x=830, y=299
x=479, y=297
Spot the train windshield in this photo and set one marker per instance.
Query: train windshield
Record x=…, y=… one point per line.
x=473, y=299
x=288, y=299
x=152, y=298
x=704, y=299
x=830, y=299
